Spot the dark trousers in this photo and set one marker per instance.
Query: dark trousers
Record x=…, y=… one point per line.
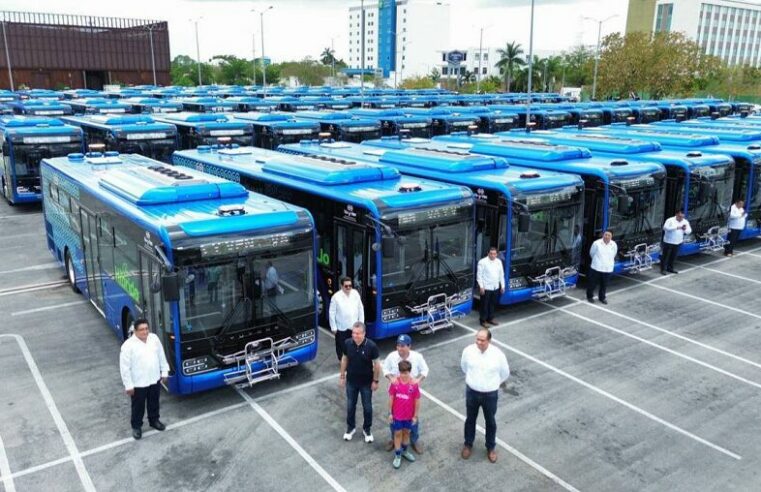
x=488, y=304
x=595, y=279
x=668, y=255
x=474, y=400
x=732, y=238
x=341, y=337
x=352, y=393
x=149, y=394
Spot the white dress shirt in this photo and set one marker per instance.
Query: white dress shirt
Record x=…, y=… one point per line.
x=672, y=230
x=271, y=279
x=345, y=310
x=142, y=363
x=391, y=364
x=484, y=371
x=603, y=255
x=490, y=274
x=737, y=217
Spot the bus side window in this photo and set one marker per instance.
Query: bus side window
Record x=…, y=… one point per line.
x=341, y=253
x=106, y=245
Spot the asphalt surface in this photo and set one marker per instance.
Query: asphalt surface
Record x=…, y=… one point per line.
x=658, y=390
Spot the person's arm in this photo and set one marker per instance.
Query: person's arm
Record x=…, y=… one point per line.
x=464, y=361
x=376, y=374
x=688, y=229
x=615, y=250
x=593, y=249
x=735, y=212
x=388, y=369
x=333, y=315
x=417, y=408
x=163, y=364
x=390, y=404
x=342, y=371
x=361, y=307
x=501, y=277
x=125, y=363
x=504, y=368
x=670, y=225
x=480, y=276
x=423, y=369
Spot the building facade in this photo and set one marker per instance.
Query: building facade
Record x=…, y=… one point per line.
x=402, y=38
x=53, y=51
x=729, y=29
x=477, y=62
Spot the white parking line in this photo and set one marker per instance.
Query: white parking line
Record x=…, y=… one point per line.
x=68, y=440
x=43, y=266
x=614, y=398
x=5, y=469
x=720, y=272
x=31, y=288
x=533, y=464
x=290, y=440
x=19, y=215
x=47, y=308
x=665, y=349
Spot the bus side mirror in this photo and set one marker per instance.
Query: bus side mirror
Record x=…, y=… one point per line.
x=623, y=204
x=524, y=222
x=704, y=191
x=388, y=244
x=170, y=286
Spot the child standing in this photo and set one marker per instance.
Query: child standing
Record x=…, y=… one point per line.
x=404, y=403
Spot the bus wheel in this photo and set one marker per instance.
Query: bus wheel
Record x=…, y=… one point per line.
x=127, y=321
x=71, y=275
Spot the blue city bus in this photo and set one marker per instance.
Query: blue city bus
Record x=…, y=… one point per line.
x=407, y=243
x=194, y=129
x=99, y=105
x=40, y=94
x=128, y=134
x=291, y=104
x=614, y=114
x=719, y=107
x=7, y=96
x=529, y=216
x=490, y=120
x=397, y=122
x=624, y=197
x=543, y=117
x=584, y=115
x=24, y=142
x=40, y=107
x=151, y=105
x=725, y=132
x=343, y=125
x=191, y=253
x=329, y=103
x=273, y=129
x=671, y=110
x=688, y=177
x=645, y=114
x=206, y=104
x=80, y=93
x=244, y=104
x=445, y=120
x=742, y=182
x=5, y=109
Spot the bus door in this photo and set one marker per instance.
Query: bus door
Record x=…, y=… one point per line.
x=89, y=231
x=487, y=228
x=152, y=303
x=352, y=260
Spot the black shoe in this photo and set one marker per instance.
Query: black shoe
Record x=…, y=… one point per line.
x=673, y=271
x=157, y=425
x=137, y=434
x=604, y=301
x=591, y=300
x=663, y=272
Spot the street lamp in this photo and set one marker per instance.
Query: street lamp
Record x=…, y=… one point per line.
x=597, y=51
x=253, y=53
x=7, y=56
x=400, y=66
x=480, y=56
x=261, y=28
x=530, y=67
x=150, y=28
x=198, y=50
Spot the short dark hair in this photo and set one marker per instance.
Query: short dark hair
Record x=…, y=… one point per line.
x=345, y=279
x=405, y=366
x=488, y=333
x=680, y=210
x=140, y=321
x=493, y=248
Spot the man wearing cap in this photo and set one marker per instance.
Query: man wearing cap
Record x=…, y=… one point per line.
x=419, y=373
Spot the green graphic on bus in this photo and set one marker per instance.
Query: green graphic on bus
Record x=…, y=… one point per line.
x=122, y=276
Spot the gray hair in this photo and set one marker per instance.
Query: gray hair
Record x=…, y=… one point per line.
x=360, y=325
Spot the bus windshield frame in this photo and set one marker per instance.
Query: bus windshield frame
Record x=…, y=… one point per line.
x=646, y=196
x=25, y=158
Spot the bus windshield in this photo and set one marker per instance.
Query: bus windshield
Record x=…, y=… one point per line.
x=555, y=221
x=27, y=159
x=429, y=249
x=710, y=192
x=234, y=294
x=636, y=206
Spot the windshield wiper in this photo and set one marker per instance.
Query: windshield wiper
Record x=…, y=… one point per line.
x=244, y=304
x=280, y=315
x=451, y=275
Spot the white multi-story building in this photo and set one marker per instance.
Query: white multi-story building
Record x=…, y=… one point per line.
x=402, y=37
x=729, y=29
x=476, y=62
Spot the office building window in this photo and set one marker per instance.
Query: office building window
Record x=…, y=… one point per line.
x=663, y=17
x=483, y=70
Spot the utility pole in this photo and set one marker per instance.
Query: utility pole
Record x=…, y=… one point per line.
x=530, y=67
x=253, y=56
x=7, y=56
x=264, y=67
x=597, y=51
x=198, y=54
x=153, y=56
x=480, y=57
x=362, y=63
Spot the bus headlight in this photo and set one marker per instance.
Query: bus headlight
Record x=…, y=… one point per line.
x=198, y=365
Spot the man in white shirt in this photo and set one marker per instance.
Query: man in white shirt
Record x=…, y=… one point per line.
x=143, y=365
x=485, y=369
x=271, y=280
x=345, y=309
x=603, y=253
x=490, y=276
x=737, y=218
x=419, y=372
x=674, y=230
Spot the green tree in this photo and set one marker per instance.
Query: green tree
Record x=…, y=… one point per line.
x=435, y=75
x=327, y=57
x=509, y=59
x=308, y=71
x=184, y=71
x=233, y=70
x=416, y=82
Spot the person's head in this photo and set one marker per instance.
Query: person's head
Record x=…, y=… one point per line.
x=405, y=367
x=492, y=253
x=358, y=332
x=141, y=329
x=607, y=236
x=679, y=215
x=483, y=338
x=346, y=284
x=403, y=343
x=740, y=203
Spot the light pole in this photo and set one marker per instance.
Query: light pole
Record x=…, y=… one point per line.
x=198, y=52
x=480, y=56
x=253, y=52
x=333, y=59
x=264, y=67
x=362, y=50
x=400, y=66
x=150, y=28
x=530, y=67
x=597, y=51
x=7, y=56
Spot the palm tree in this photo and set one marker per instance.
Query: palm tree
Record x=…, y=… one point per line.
x=510, y=57
x=327, y=57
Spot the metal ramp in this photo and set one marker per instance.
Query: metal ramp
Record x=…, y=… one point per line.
x=436, y=314
x=265, y=351
x=551, y=284
x=641, y=258
x=713, y=240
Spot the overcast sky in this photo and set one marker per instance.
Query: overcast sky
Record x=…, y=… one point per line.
x=297, y=28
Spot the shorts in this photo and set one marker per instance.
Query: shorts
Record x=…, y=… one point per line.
x=398, y=425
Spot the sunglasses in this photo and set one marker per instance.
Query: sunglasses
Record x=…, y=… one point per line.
x=347, y=286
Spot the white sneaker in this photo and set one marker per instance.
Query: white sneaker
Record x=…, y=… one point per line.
x=349, y=435
x=368, y=437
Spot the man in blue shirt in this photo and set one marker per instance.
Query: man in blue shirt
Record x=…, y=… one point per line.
x=360, y=373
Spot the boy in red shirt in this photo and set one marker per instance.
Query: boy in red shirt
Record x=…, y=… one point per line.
x=403, y=405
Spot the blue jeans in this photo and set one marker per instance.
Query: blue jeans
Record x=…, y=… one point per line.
x=414, y=431
x=352, y=394
x=488, y=401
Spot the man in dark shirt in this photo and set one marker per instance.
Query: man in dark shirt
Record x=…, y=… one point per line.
x=360, y=372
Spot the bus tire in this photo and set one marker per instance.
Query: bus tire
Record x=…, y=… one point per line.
x=127, y=321
x=71, y=275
